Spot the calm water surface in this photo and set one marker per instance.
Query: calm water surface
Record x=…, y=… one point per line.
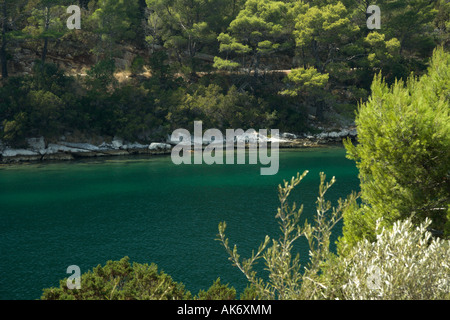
x=85, y=213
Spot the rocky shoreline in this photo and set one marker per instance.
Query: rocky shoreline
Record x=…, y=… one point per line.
x=39, y=150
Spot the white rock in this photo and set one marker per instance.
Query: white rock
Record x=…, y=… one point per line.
x=288, y=135
x=333, y=135
x=36, y=144
x=19, y=152
x=159, y=146
x=117, y=143
x=85, y=146
x=55, y=148
x=105, y=146
x=247, y=138
x=277, y=139
x=137, y=146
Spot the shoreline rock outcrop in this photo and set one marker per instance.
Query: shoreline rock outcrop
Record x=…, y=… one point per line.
x=39, y=150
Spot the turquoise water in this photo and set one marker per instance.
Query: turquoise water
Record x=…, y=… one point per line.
x=88, y=212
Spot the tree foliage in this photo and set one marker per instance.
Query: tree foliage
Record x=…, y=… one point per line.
x=306, y=83
x=324, y=31
x=217, y=291
x=115, y=21
x=259, y=29
x=211, y=43
x=121, y=280
x=403, y=152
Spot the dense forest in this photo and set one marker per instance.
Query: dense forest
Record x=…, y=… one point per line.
x=139, y=69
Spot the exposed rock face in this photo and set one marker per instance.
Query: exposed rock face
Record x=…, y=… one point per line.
x=159, y=147
x=56, y=148
x=137, y=148
x=18, y=152
x=37, y=144
x=136, y=145
x=82, y=146
x=247, y=137
x=287, y=135
x=19, y=155
x=117, y=143
x=337, y=136
x=38, y=150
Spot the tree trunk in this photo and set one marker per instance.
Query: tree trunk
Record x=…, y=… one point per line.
x=142, y=21
x=47, y=24
x=257, y=61
x=315, y=51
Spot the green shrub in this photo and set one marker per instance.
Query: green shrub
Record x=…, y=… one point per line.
x=404, y=263
x=120, y=280
x=218, y=291
x=403, y=152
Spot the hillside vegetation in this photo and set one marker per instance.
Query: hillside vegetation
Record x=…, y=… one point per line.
x=139, y=69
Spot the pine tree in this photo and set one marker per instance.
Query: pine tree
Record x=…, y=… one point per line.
x=259, y=29
x=403, y=154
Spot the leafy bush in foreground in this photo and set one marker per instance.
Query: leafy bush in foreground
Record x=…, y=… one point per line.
x=405, y=262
